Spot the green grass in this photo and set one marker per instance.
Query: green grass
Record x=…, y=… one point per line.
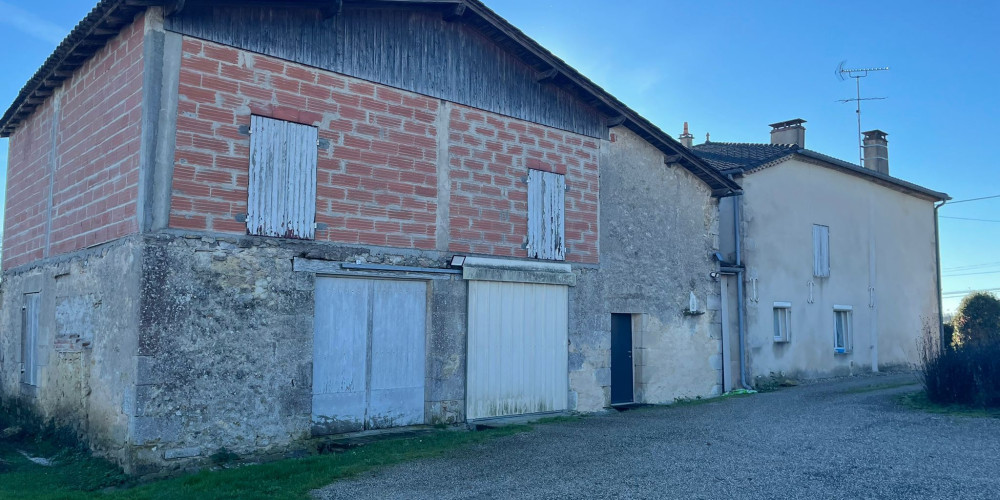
x=76, y=476
x=918, y=401
x=879, y=387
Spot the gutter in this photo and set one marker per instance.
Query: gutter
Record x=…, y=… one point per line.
x=740, y=314
x=937, y=257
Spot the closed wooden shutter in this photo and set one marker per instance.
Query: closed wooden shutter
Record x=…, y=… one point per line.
x=821, y=251
x=29, y=338
x=281, y=197
x=546, y=215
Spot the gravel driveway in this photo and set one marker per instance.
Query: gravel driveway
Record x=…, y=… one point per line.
x=825, y=440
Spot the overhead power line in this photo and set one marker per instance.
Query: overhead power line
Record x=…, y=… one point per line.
x=972, y=266
x=970, y=218
x=959, y=293
x=974, y=199
x=969, y=274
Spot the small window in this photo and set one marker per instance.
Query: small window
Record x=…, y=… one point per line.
x=29, y=339
x=281, y=195
x=821, y=251
x=546, y=207
x=843, y=329
x=782, y=321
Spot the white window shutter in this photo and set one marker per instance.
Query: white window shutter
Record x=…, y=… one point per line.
x=546, y=215
x=821, y=251
x=281, y=195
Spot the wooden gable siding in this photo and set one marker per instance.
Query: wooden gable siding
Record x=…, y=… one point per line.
x=412, y=49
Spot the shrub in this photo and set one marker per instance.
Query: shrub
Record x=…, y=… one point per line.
x=977, y=319
x=967, y=374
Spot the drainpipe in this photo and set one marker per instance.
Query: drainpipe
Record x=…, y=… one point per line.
x=741, y=320
x=937, y=256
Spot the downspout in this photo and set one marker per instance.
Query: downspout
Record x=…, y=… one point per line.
x=937, y=256
x=741, y=320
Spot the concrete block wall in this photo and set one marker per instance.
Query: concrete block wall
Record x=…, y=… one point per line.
x=395, y=168
x=73, y=170
x=489, y=156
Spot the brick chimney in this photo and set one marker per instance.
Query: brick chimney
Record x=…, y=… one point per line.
x=686, y=138
x=876, y=151
x=790, y=132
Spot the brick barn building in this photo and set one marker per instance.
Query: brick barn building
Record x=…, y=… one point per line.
x=236, y=224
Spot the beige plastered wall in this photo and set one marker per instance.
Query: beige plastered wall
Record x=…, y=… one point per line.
x=880, y=238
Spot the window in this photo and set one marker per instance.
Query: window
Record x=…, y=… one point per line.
x=281, y=195
x=843, y=329
x=546, y=206
x=782, y=321
x=29, y=339
x=821, y=251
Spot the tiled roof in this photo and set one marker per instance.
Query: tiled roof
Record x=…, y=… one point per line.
x=733, y=157
x=109, y=16
x=744, y=156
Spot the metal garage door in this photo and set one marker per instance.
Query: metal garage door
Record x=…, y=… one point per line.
x=517, y=349
x=368, y=354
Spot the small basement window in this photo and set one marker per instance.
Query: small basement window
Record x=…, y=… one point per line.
x=843, y=329
x=546, y=215
x=782, y=321
x=281, y=195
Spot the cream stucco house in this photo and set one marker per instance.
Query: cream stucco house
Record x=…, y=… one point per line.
x=836, y=265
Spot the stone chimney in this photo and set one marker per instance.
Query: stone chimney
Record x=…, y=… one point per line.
x=790, y=132
x=686, y=138
x=876, y=151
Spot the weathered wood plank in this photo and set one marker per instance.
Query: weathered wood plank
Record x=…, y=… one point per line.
x=411, y=48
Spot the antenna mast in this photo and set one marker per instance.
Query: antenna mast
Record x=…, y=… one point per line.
x=857, y=75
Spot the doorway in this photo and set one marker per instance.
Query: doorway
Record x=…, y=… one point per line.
x=622, y=367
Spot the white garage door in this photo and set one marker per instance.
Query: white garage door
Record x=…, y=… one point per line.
x=368, y=354
x=517, y=349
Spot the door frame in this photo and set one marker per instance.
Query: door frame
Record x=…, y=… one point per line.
x=632, y=356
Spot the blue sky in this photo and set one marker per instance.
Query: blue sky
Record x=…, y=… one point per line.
x=730, y=68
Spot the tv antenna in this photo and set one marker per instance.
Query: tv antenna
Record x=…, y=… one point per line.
x=857, y=74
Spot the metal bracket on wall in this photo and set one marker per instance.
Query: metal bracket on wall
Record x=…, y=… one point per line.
x=811, y=284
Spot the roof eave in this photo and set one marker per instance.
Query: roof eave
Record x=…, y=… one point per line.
x=91, y=34
x=875, y=176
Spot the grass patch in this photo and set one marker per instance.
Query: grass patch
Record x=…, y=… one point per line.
x=74, y=474
x=879, y=387
x=77, y=476
x=919, y=401
x=561, y=419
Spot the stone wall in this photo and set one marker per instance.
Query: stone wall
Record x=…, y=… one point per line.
x=87, y=323
x=659, y=228
x=225, y=350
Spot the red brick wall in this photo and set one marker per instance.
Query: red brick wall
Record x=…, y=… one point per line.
x=28, y=188
x=97, y=158
x=490, y=156
x=377, y=181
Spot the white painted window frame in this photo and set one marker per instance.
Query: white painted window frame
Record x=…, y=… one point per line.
x=848, y=312
x=785, y=309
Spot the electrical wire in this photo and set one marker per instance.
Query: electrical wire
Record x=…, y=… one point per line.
x=969, y=274
x=970, y=267
x=973, y=199
x=970, y=218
